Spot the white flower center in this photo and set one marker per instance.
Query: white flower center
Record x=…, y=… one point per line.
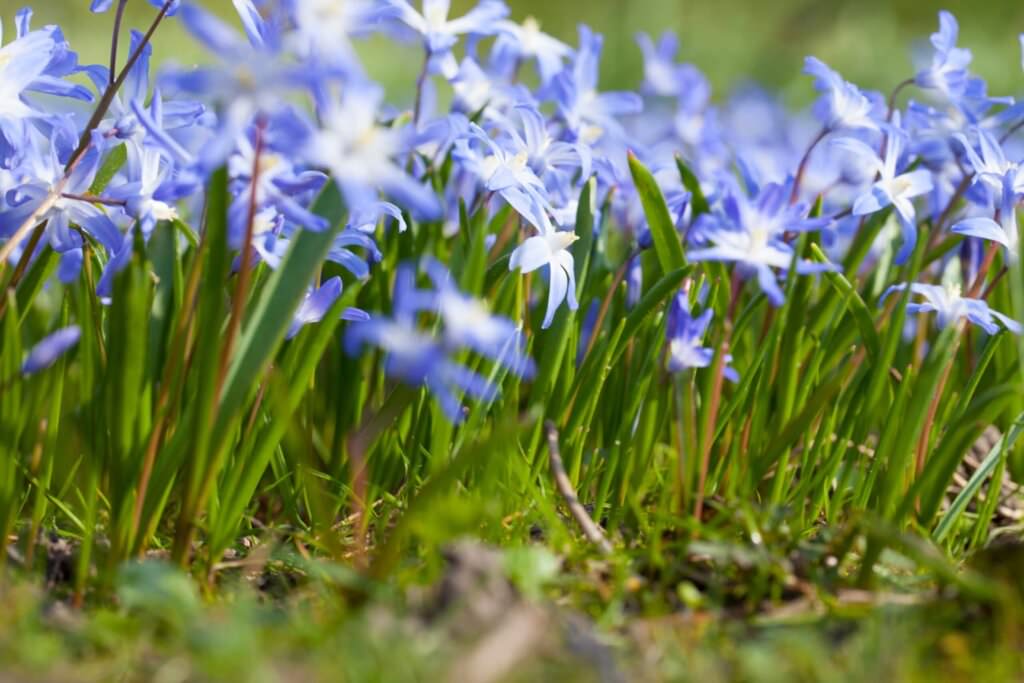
x=492, y=163
x=591, y=133
x=899, y=186
x=758, y=239
x=518, y=162
x=162, y=211
x=531, y=35
x=246, y=78
x=561, y=240
x=436, y=16
x=464, y=315
x=263, y=222
x=268, y=162
x=326, y=11
x=401, y=340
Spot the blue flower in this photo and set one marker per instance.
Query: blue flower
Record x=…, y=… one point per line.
x=279, y=185
x=684, y=335
x=63, y=63
x=662, y=75
x=273, y=235
x=440, y=34
x=342, y=254
x=546, y=155
x=365, y=218
x=991, y=167
x=1004, y=181
x=251, y=78
x=35, y=61
x=121, y=122
x=175, y=134
x=468, y=324
x=41, y=172
x=148, y=190
x=948, y=70
x=426, y=359
x=589, y=113
x=324, y=28
x=479, y=91
x=973, y=108
x=892, y=187
x=364, y=157
x=842, y=104
x=318, y=302
x=506, y=172
x=950, y=307
x=45, y=353
x=752, y=233
x=520, y=42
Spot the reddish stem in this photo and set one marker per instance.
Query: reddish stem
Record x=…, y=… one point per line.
x=711, y=418
x=245, y=267
x=802, y=168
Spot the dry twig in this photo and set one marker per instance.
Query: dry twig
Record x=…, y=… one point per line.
x=590, y=528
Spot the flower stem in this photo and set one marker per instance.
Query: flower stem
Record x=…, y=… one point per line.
x=421, y=83
x=115, y=39
x=891, y=103
x=802, y=168
x=245, y=267
x=711, y=417
x=94, y=199
x=986, y=265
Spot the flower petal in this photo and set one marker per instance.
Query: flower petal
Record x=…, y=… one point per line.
x=982, y=228
x=530, y=255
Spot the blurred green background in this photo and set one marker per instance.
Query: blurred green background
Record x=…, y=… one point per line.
x=869, y=41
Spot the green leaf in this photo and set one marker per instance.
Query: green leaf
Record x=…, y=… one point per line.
x=667, y=244
x=863, y=240
x=664, y=288
x=856, y=305
x=898, y=442
x=111, y=165
x=943, y=459
x=474, y=266
x=698, y=201
x=38, y=274
x=583, y=250
x=284, y=398
x=270, y=319
x=798, y=425
x=128, y=318
x=164, y=256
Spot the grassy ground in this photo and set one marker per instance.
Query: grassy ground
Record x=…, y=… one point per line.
x=520, y=614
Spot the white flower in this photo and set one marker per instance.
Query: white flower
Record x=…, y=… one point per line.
x=550, y=248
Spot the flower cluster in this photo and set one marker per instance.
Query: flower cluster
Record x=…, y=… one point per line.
x=287, y=106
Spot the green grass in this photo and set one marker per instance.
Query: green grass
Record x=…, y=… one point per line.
x=361, y=484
